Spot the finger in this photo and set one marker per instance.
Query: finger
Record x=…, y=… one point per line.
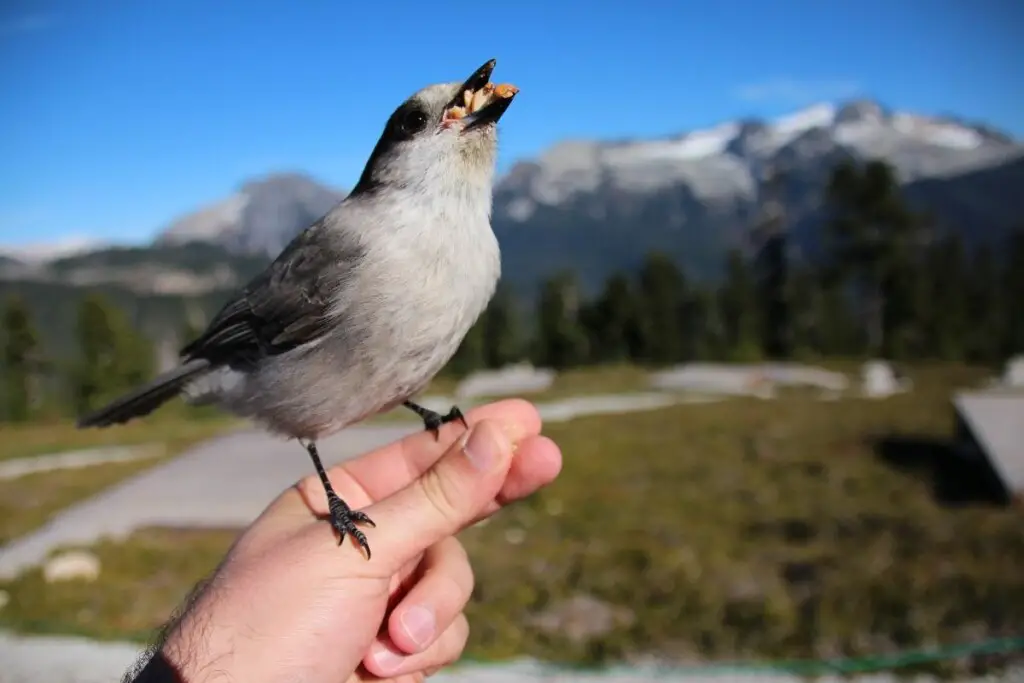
x=532, y=468
x=444, y=499
x=432, y=604
x=386, y=662
x=536, y=463
x=382, y=472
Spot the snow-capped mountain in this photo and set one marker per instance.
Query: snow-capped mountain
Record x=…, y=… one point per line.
x=695, y=194
x=260, y=218
x=597, y=206
x=725, y=161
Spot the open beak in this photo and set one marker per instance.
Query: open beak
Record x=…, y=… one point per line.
x=479, y=102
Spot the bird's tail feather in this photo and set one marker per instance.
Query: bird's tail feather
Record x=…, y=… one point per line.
x=147, y=398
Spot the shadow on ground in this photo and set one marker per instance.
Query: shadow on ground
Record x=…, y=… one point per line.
x=955, y=480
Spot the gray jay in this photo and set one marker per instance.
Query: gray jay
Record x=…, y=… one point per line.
x=361, y=309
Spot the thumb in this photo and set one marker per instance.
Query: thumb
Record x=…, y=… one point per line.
x=443, y=499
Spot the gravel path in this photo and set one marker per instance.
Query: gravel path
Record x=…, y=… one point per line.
x=19, y=467
x=225, y=482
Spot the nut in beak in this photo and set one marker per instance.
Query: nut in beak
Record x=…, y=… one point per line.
x=475, y=100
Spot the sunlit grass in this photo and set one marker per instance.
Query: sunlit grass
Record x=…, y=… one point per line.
x=171, y=427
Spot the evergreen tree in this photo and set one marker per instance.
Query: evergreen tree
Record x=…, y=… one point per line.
x=738, y=305
x=19, y=362
x=703, y=334
x=806, y=337
x=612, y=322
x=772, y=264
x=873, y=237
x=983, y=319
x=471, y=354
x=662, y=293
x=1011, y=287
x=561, y=341
x=502, y=330
x=943, y=307
x=114, y=357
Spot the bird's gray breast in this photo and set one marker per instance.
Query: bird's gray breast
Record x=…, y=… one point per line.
x=428, y=296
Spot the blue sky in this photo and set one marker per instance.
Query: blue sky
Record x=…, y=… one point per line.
x=115, y=117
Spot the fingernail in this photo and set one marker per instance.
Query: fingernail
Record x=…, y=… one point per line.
x=484, y=446
x=386, y=659
x=419, y=625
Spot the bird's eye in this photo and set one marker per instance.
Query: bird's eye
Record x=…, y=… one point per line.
x=412, y=121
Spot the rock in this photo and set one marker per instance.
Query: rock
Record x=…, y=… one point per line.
x=760, y=380
x=1013, y=376
x=582, y=618
x=72, y=565
x=521, y=378
x=878, y=380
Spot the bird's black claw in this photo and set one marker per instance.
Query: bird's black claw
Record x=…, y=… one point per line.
x=434, y=421
x=344, y=518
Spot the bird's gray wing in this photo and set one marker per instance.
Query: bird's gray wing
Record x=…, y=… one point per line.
x=285, y=306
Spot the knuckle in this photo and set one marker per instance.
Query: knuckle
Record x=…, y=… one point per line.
x=442, y=493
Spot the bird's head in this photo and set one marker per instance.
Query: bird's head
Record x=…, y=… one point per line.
x=445, y=134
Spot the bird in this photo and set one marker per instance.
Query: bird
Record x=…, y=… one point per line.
x=362, y=308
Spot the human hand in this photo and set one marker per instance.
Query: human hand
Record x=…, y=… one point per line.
x=287, y=604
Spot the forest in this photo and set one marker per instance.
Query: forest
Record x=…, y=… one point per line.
x=891, y=282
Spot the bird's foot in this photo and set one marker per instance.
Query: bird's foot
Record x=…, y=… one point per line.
x=344, y=518
x=432, y=421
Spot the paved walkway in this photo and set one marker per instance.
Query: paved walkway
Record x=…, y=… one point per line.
x=225, y=482
x=228, y=481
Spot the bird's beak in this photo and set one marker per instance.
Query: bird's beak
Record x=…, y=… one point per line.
x=478, y=101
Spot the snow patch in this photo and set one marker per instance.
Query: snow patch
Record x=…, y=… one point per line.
x=41, y=252
x=793, y=125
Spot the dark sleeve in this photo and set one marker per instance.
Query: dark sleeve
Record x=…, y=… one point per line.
x=283, y=307
x=156, y=670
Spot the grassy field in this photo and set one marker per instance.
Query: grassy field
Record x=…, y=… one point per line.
x=172, y=427
x=740, y=529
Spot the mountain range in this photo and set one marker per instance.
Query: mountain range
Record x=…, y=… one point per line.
x=597, y=206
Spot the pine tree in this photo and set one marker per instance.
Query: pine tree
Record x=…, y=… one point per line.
x=612, y=322
x=662, y=289
x=1012, y=301
x=703, y=334
x=772, y=263
x=806, y=337
x=561, y=341
x=983, y=317
x=738, y=305
x=943, y=308
x=873, y=237
x=114, y=357
x=19, y=362
x=471, y=354
x=502, y=330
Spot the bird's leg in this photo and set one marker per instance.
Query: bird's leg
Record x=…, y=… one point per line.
x=343, y=518
x=432, y=421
